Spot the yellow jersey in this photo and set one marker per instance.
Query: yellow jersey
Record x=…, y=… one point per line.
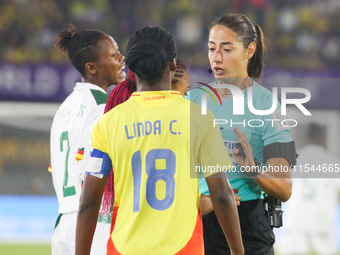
x=154, y=143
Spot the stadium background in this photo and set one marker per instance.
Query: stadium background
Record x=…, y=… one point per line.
x=302, y=39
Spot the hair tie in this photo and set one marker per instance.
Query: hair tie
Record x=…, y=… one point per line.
x=254, y=28
x=73, y=33
x=72, y=30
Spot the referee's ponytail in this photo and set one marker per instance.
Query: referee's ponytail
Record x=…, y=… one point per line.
x=256, y=63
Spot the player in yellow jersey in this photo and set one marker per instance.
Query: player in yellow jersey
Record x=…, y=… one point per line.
x=153, y=142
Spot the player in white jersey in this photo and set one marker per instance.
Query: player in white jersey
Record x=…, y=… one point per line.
x=97, y=58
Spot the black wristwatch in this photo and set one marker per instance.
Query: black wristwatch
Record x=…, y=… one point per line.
x=255, y=170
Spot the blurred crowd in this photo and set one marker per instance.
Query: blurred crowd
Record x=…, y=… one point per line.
x=299, y=34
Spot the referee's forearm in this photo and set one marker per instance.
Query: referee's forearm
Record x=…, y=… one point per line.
x=280, y=188
x=276, y=184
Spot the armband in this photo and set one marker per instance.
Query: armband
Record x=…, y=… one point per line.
x=281, y=150
x=99, y=163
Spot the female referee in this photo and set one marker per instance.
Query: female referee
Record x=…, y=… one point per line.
x=236, y=47
x=153, y=143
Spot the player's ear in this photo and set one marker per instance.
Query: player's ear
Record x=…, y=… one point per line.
x=250, y=50
x=173, y=66
x=91, y=68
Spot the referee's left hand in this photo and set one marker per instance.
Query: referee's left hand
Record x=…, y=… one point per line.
x=248, y=161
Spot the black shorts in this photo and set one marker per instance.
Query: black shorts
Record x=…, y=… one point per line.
x=257, y=235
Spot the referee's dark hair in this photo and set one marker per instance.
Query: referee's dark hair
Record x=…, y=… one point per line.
x=247, y=32
x=149, y=51
x=81, y=47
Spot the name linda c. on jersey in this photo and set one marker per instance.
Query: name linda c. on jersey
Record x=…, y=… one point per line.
x=140, y=129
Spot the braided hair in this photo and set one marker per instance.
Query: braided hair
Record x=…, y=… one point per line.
x=179, y=73
x=149, y=51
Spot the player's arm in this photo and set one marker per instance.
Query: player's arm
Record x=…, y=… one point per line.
x=275, y=183
x=207, y=206
x=222, y=197
x=96, y=174
x=88, y=212
x=213, y=152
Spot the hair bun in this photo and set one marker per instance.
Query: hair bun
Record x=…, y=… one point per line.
x=72, y=30
x=149, y=51
x=146, y=59
x=64, y=38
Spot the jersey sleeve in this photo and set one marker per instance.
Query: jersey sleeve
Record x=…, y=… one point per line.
x=213, y=156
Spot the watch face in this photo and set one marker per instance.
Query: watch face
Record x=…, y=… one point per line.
x=255, y=170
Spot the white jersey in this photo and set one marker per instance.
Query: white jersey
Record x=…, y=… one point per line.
x=70, y=136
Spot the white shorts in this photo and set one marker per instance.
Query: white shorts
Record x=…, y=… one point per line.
x=63, y=240
x=100, y=238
